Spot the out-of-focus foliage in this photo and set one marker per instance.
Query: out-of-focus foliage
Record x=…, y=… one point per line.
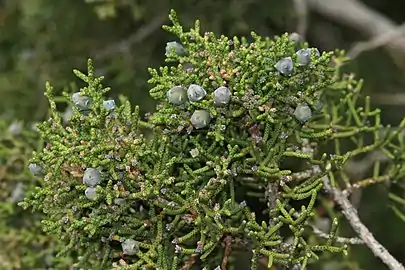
x=45, y=39
x=22, y=241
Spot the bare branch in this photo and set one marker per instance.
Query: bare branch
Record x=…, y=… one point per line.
x=352, y=217
x=140, y=35
x=341, y=240
x=376, y=42
x=357, y=15
x=301, y=10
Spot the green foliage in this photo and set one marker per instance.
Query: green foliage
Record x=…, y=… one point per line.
x=184, y=195
x=23, y=244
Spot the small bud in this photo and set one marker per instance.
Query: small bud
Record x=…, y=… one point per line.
x=195, y=93
x=295, y=37
x=130, y=247
x=222, y=96
x=200, y=119
x=91, y=193
x=109, y=104
x=82, y=103
x=285, y=66
x=303, y=57
x=303, y=113
x=35, y=169
x=91, y=177
x=177, y=95
x=178, y=48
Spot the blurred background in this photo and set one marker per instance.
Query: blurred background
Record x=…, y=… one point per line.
x=44, y=40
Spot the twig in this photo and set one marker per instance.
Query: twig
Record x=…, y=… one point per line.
x=341, y=240
x=301, y=10
x=140, y=35
x=352, y=217
x=376, y=42
x=357, y=15
x=227, y=253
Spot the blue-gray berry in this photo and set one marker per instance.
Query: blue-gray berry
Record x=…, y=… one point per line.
x=295, y=37
x=303, y=113
x=303, y=57
x=200, y=118
x=120, y=201
x=178, y=48
x=109, y=104
x=15, y=129
x=35, y=169
x=81, y=102
x=91, y=177
x=130, y=247
x=285, y=66
x=18, y=193
x=222, y=96
x=91, y=193
x=195, y=93
x=177, y=95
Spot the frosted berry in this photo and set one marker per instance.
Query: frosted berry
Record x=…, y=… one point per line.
x=178, y=48
x=195, y=93
x=91, y=193
x=318, y=105
x=129, y=247
x=222, y=96
x=295, y=37
x=15, y=129
x=109, y=104
x=81, y=102
x=200, y=119
x=303, y=57
x=303, y=113
x=177, y=95
x=35, y=169
x=18, y=193
x=91, y=177
x=120, y=201
x=285, y=66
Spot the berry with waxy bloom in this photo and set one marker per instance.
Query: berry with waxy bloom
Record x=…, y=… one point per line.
x=222, y=96
x=195, y=93
x=303, y=113
x=129, y=247
x=285, y=66
x=178, y=48
x=177, y=95
x=91, y=177
x=91, y=193
x=200, y=118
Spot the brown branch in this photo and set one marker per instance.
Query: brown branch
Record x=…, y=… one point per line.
x=228, y=248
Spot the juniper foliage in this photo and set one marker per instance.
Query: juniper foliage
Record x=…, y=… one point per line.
x=173, y=193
